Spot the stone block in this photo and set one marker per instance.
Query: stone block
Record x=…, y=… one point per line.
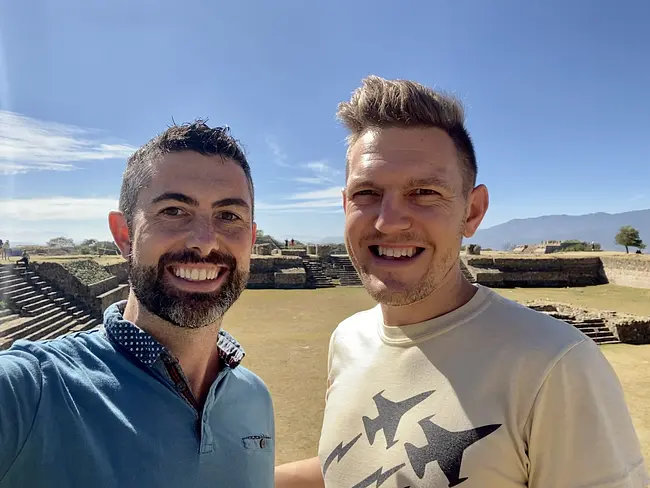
x=290, y=278
x=261, y=280
x=300, y=252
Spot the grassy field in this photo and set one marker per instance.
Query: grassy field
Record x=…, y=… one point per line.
x=286, y=336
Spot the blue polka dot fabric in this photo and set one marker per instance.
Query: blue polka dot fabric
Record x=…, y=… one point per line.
x=147, y=349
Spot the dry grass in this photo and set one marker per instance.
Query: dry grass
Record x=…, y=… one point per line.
x=103, y=260
x=286, y=336
x=603, y=297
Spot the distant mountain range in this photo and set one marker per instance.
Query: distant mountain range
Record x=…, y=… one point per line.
x=597, y=227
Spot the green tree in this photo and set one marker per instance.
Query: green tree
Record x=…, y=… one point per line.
x=60, y=242
x=628, y=236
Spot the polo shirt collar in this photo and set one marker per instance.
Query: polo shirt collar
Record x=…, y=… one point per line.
x=148, y=350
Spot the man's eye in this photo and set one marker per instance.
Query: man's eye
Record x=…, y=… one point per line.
x=229, y=216
x=172, y=211
x=425, y=191
x=364, y=195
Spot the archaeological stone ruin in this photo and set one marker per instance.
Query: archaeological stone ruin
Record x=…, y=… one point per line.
x=51, y=299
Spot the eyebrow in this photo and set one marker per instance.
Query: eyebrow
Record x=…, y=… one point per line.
x=432, y=181
x=413, y=183
x=187, y=200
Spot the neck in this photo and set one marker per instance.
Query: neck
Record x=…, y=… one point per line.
x=454, y=292
x=195, y=349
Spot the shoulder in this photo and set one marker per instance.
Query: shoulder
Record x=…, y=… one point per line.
x=362, y=323
x=250, y=381
x=74, y=351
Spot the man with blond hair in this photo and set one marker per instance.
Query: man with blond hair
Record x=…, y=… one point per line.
x=445, y=382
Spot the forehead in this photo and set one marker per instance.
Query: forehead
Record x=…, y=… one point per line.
x=393, y=155
x=198, y=176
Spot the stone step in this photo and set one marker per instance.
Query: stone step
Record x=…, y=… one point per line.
x=64, y=329
x=10, y=280
x=32, y=301
x=9, y=318
x=89, y=324
x=12, y=326
x=606, y=340
x=8, y=329
x=38, y=331
x=6, y=290
x=5, y=312
x=29, y=292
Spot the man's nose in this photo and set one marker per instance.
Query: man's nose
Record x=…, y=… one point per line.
x=203, y=236
x=393, y=215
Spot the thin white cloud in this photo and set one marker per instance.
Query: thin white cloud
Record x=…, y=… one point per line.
x=279, y=156
x=55, y=208
x=28, y=144
x=333, y=192
x=321, y=173
x=307, y=205
x=327, y=200
x=308, y=180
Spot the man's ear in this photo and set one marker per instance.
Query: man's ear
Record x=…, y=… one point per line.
x=478, y=200
x=120, y=230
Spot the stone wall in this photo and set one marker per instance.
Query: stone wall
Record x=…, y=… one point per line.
x=119, y=270
x=531, y=272
x=266, y=269
x=325, y=250
x=69, y=284
x=294, y=251
x=632, y=270
x=290, y=278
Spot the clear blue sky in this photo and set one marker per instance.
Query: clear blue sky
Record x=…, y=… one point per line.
x=556, y=94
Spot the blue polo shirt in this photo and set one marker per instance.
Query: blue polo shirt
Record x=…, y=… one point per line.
x=112, y=408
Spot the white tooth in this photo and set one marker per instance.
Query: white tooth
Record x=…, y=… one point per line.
x=181, y=272
x=410, y=252
x=403, y=252
x=187, y=273
x=213, y=274
x=195, y=274
x=203, y=274
x=177, y=271
x=391, y=251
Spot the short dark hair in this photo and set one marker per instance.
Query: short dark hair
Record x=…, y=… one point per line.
x=381, y=103
x=195, y=136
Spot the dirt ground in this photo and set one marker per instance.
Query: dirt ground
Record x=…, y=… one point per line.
x=286, y=337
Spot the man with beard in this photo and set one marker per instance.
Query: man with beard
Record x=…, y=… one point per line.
x=158, y=397
x=444, y=382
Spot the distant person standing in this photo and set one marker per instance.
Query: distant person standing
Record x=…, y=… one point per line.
x=286, y=243
x=2, y=250
x=6, y=250
x=292, y=242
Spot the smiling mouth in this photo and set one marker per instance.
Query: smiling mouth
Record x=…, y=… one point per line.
x=197, y=274
x=396, y=253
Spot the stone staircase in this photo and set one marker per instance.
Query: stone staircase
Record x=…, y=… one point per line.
x=316, y=277
x=345, y=271
x=36, y=309
x=466, y=272
x=594, y=328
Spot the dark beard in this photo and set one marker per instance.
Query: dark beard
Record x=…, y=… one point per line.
x=186, y=309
